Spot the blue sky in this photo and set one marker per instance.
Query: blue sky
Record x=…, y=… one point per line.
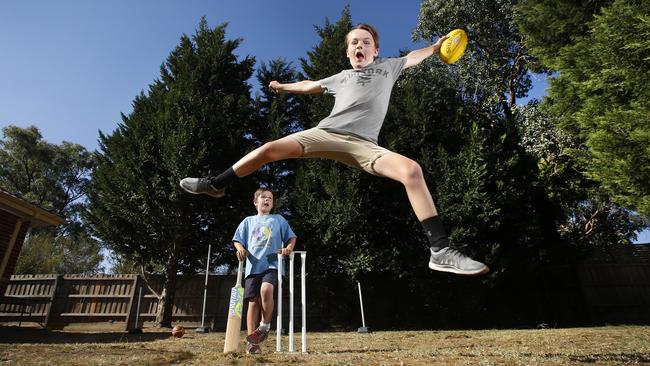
x=70, y=67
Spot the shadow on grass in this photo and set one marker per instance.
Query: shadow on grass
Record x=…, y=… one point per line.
x=364, y=350
x=13, y=335
x=619, y=358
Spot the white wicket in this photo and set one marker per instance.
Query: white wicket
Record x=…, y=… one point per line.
x=303, y=301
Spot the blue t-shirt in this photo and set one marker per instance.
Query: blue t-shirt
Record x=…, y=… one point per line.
x=263, y=236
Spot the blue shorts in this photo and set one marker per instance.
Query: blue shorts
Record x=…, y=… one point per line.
x=253, y=283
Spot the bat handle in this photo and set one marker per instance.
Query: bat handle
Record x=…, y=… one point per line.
x=239, y=272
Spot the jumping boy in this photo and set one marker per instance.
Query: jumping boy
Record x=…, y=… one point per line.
x=349, y=135
x=258, y=240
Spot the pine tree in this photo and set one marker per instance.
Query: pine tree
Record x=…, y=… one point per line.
x=277, y=116
x=356, y=223
x=550, y=25
x=191, y=120
x=586, y=215
x=600, y=95
x=498, y=205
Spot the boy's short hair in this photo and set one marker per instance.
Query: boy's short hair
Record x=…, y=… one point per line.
x=260, y=190
x=366, y=27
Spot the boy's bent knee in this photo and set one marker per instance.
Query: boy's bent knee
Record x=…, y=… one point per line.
x=412, y=172
x=266, y=151
x=266, y=290
x=272, y=151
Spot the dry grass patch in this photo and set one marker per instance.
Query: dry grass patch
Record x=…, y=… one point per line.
x=618, y=345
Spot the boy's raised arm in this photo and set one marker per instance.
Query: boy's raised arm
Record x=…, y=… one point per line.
x=415, y=57
x=300, y=87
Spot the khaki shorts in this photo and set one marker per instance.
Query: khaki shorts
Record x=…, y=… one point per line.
x=353, y=151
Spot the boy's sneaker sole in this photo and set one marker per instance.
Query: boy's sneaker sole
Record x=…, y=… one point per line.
x=253, y=349
x=451, y=269
x=201, y=186
x=451, y=260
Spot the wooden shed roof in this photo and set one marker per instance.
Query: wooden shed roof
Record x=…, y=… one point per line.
x=27, y=210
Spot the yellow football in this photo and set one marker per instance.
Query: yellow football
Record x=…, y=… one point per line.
x=454, y=46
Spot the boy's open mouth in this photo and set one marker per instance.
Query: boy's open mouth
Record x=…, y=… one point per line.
x=359, y=56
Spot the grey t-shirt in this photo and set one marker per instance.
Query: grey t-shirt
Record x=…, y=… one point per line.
x=361, y=98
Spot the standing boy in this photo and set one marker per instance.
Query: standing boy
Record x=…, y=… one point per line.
x=258, y=240
x=349, y=135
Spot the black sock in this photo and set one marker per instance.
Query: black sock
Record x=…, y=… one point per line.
x=223, y=179
x=435, y=232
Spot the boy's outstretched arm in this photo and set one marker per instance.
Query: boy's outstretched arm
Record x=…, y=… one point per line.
x=415, y=57
x=300, y=87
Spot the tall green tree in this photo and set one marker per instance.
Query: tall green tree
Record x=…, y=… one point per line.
x=493, y=73
x=429, y=122
x=48, y=174
x=550, y=25
x=355, y=223
x=277, y=116
x=462, y=124
x=46, y=252
x=586, y=214
x=56, y=177
x=600, y=94
x=191, y=122
x=494, y=70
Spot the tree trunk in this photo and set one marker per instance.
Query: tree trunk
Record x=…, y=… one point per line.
x=552, y=239
x=164, y=315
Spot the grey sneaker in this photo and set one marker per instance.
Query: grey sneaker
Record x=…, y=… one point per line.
x=451, y=260
x=201, y=186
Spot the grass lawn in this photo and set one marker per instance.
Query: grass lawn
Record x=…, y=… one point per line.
x=613, y=345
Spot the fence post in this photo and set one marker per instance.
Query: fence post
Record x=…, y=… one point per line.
x=129, y=309
x=51, y=307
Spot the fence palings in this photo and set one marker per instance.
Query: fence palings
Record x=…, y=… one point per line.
x=611, y=292
x=113, y=299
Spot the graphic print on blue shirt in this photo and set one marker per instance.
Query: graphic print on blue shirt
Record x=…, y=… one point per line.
x=260, y=236
x=263, y=236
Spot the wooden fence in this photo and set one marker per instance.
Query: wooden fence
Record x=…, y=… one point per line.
x=112, y=300
x=616, y=293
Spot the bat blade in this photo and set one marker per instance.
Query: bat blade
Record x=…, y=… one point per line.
x=233, y=327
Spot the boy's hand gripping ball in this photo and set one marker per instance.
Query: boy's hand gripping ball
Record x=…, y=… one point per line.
x=454, y=46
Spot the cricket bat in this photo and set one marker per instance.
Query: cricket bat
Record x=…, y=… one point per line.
x=233, y=328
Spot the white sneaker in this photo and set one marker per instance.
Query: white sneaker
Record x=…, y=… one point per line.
x=451, y=260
